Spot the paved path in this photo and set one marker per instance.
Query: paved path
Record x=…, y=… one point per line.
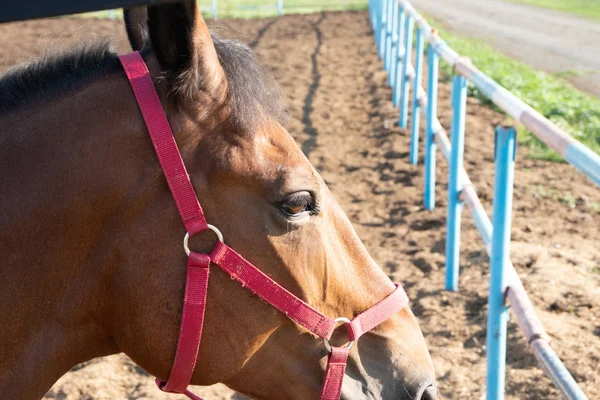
x=546, y=39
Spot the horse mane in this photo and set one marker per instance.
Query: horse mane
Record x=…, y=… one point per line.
x=55, y=74
x=253, y=93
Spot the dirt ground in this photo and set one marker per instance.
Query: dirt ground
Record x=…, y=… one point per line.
x=344, y=120
x=549, y=40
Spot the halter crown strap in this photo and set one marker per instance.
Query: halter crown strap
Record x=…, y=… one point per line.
x=191, y=213
x=230, y=261
x=164, y=143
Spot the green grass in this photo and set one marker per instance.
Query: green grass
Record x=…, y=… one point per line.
x=576, y=112
x=585, y=8
x=262, y=8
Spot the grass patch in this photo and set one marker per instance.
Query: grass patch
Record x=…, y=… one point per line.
x=584, y=8
x=574, y=111
x=567, y=199
x=261, y=8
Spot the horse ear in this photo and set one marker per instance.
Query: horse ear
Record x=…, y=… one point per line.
x=136, y=24
x=182, y=44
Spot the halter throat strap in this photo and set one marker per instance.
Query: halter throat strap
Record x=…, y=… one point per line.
x=198, y=265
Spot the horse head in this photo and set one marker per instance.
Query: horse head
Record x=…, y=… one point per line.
x=117, y=269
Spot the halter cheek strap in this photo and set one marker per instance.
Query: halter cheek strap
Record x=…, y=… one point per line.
x=198, y=265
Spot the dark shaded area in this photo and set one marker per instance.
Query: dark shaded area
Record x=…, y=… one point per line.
x=16, y=10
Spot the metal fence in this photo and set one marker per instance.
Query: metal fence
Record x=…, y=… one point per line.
x=393, y=23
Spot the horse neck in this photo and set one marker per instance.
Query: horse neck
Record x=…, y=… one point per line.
x=66, y=172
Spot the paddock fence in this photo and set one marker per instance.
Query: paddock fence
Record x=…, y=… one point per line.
x=394, y=22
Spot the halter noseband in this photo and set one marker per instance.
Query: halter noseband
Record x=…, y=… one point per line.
x=198, y=265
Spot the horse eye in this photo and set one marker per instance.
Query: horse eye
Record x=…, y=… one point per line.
x=293, y=209
x=297, y=204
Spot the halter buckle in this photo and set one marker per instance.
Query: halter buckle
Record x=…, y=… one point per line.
x=349, y=344
x=186, y=238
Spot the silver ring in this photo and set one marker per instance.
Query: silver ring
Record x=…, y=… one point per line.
x=186, y=238
x=349, y=344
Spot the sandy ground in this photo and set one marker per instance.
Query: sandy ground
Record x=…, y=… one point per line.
x=343, y=118
x=548, y=40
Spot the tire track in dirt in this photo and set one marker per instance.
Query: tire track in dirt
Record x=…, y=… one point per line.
x=311, y=142
x=254, y=43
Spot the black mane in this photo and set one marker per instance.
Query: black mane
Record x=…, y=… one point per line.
x=56, y=74
x=252, y=90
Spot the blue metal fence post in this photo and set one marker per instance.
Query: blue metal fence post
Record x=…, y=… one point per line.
x=388, y=34
x=459, y=100
x=374, y=17
x=279, y=7
x=382, y=27
x=374, y=20
x=213, y=9
x=378, y=17
x=394, y=40
x=416, y=114
x=430, y=144
x=397, y=80
x=405, y=83
x=502, y=218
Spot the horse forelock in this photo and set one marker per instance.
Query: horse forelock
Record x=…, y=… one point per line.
x=253, y=92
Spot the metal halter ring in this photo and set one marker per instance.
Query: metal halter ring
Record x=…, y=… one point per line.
x=349, y=344
x=186, y=238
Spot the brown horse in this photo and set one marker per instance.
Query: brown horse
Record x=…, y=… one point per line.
x=90, y=239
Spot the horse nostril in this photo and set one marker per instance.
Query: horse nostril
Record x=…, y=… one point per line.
x=424, y=391
x=430, y=393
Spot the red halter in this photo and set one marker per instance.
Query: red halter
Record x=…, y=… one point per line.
x=227, y=259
